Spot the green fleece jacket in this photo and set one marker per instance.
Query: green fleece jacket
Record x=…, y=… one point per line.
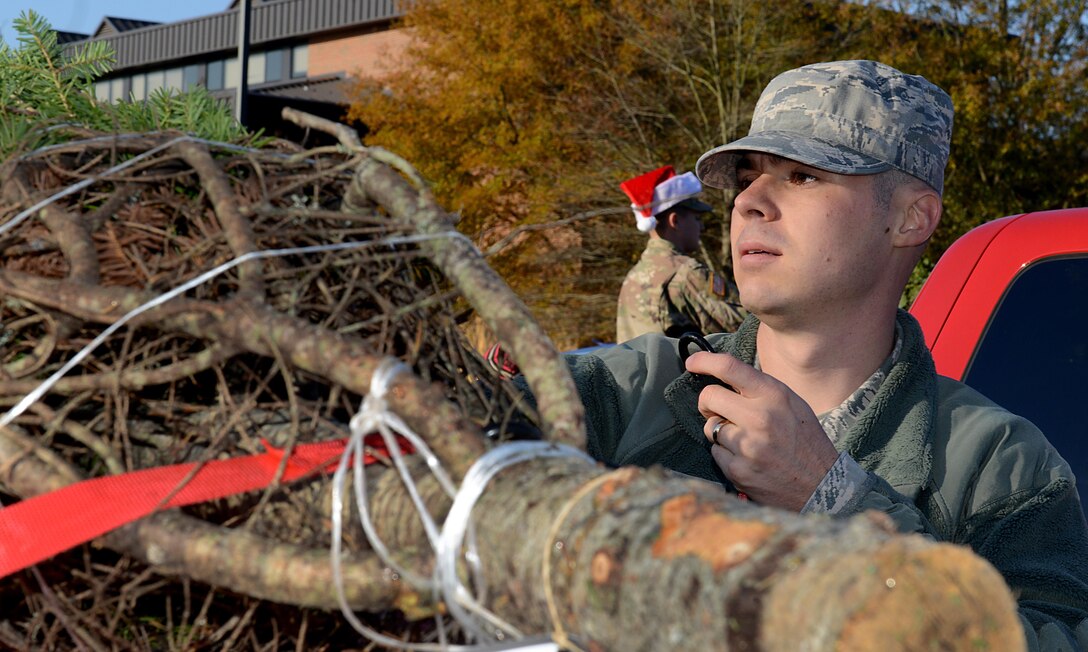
x=943, y=461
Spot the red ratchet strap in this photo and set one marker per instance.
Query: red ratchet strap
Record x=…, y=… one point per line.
x=37, y=528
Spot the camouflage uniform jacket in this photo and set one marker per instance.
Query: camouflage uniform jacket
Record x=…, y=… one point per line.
x=668, y=292
x=942, y=461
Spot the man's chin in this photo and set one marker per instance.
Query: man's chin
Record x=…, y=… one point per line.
x=765, y=309
x=755, y=300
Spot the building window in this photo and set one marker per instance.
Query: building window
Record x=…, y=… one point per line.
x=256, y=68
x=192, y=76
x=216, y=70
x=232, y=73
x=139, y=87
x=173, y=79
x=300, y=60
x=273, y=65
x=117, y=89
x=156, y=79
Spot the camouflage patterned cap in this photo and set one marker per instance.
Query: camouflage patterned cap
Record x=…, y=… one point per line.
x=847, y=117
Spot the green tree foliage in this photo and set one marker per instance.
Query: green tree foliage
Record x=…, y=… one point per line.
x=1016, y=72
x=42, y=87
x=524, y=114
x=38, y=84
x=1018, y=77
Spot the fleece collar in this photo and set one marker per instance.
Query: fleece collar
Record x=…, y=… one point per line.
x=892, y=437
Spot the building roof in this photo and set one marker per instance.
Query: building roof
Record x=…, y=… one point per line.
x=332, y=89
x=116, y=25
x=270, y=21
x=65, y=38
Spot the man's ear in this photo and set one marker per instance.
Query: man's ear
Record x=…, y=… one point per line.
x=673, y=219
x=918, y=219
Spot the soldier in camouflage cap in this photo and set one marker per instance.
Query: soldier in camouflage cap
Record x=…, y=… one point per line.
x=825, y=400
x=848, y=117
x=668, y=291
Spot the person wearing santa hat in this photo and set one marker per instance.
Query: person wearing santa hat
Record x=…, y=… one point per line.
x=668, y=291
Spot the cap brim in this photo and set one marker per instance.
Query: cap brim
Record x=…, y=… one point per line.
x=696, y=205
x=718, y=167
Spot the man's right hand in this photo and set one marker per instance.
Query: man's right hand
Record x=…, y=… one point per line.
x=773, y=447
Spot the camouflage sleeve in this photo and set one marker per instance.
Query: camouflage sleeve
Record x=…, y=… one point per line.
x=841, y=490
x=706, y=298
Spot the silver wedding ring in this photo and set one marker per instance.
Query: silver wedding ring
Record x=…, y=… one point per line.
x=717, y=427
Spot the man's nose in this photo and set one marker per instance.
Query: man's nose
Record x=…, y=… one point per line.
x=755, y=200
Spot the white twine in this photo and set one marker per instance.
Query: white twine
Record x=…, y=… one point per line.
x=13, y=222
x=76, y=187
x=48, y=383
x=465, y=608
x=68, y=144
x=458, y=519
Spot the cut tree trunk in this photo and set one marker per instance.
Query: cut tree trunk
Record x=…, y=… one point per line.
x=642, y=559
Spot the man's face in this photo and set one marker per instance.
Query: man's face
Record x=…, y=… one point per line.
x=807, y=243
x=689, y=228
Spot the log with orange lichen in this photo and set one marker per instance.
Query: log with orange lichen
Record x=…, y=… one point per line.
x=640, y=559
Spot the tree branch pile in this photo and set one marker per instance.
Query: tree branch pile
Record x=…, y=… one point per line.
x=283, y=348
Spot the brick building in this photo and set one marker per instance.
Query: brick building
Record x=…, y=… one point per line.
x=302, y=53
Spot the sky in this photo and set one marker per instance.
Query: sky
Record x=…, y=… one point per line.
x=85, y=15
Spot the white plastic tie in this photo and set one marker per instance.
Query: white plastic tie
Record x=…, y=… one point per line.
x=481, y=625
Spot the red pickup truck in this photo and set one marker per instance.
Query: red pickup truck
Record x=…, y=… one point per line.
x=1005, y=310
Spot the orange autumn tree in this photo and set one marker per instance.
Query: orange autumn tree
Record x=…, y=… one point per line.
x=484, y=109
x=524, y=115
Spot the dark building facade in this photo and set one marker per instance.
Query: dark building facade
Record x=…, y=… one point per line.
x=302, y=53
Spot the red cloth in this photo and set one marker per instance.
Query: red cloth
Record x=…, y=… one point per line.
x=37, y=528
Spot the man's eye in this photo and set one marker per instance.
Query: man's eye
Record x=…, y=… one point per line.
x=743, y=182
x=801, y=178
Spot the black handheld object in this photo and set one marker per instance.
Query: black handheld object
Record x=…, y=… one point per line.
x=689, y=340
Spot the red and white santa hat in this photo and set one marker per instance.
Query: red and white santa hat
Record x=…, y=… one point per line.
x=659, y=190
